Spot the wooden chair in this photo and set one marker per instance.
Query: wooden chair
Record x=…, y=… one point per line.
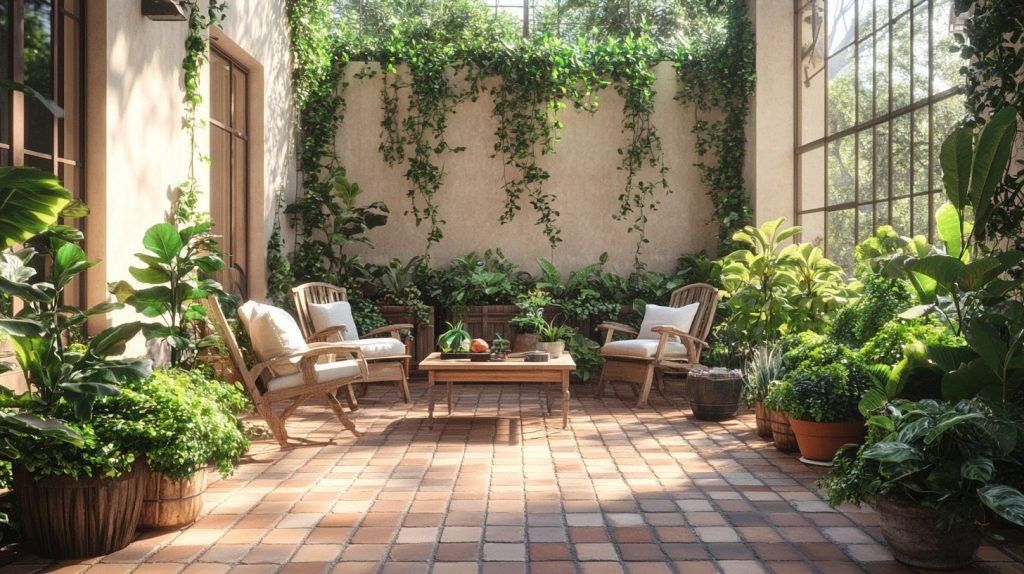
x=315, y=378
x=642, y=362
x=385, y=354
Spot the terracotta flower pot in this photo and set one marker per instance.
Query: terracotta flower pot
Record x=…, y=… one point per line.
x=764, y=425
x=820, y=441
x=172, y=503
x=782, y=434
x=66, y=518
x=522, y=342
x=916, y=537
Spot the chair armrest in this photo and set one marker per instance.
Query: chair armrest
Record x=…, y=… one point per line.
x=391, y=330
x=693, y=344
x=308, y=359
x=323, y=335
x=611, y=327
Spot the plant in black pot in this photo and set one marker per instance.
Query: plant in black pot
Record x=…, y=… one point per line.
x=821, y=395
x=936, y=472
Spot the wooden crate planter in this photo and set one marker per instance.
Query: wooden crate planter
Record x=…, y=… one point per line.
x=64, y=518
x=423, y=334
x=484, y=321
x=172, y=503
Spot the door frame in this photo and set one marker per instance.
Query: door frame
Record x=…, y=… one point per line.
x=256, y=260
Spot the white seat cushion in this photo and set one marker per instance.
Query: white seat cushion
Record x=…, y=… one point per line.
x=643, y=349
x=657, y=316
x=337, y=314
x=273, y=333
x=325, y=372
x=376, y=347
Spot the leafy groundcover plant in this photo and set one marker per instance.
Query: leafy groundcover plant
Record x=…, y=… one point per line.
x=959, y=459
x=178, y=421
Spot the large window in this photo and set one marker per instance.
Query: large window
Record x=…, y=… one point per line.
x=877, y=91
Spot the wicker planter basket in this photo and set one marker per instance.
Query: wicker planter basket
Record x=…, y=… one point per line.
x=782, y=433
x=764, y=425
x=172, y=503
x=714, y=394
x=65, y=518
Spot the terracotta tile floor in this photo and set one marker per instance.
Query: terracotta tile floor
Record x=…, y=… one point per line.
x=501, y=489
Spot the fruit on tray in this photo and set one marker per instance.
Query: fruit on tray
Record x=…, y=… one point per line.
x=479, y=346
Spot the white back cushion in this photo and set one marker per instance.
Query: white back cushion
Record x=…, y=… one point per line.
x=337, y=314
x=656, y=315
x=273, y=332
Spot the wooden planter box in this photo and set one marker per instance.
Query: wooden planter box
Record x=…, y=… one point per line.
x=423, y=334
x=483, y=321
x=172, y=503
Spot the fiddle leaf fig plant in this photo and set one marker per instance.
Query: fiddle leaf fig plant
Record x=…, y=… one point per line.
x=177, y=265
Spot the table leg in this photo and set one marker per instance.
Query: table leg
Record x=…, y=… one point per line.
x=451, y=386
x=565, y=399
x=547, y=395
x=430, y=397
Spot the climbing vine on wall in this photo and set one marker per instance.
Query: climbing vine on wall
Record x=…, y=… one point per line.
x=629, y=63
x=718, y=79
x=536, y=80
x=318, y=88
x=197, y=47
x=993, y=42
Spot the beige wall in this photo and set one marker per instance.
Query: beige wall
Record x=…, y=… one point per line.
x=769, y=166
x=583, y=177
x=138, y=150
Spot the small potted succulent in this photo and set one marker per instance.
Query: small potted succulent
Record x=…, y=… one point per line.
x=551, y=338
x=762, y=370
x=820, y=396
x=455, y=342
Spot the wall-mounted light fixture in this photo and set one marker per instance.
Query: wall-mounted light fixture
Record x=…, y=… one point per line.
x=163, y=10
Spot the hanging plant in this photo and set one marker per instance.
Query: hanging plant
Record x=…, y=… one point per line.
x=629, y=64
x=197, y=48
x=717, y=77
x=537, y=78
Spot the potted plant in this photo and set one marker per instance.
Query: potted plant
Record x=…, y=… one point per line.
x=454, y=343
x=479, y=290
x=402, y=301
x=935, y=471
x=763, y=368
x=186, y=422
x=820, y=396
x=529, y=321
x=551, y=338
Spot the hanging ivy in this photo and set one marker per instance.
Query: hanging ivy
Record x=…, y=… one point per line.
x=629, y=63
x=536, y=79
x=318, y=89
x=717, y=77
x=992, y=41
x=197, y=47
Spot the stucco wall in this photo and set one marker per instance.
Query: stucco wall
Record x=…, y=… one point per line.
x=584, y=177
x=138, y=150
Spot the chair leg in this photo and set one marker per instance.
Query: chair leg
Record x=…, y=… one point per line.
x=599, y=391
x=332, y=401
x=645, y=390
x=403, y=386
x=274, y=423
x=363, y=389
x=350, y=397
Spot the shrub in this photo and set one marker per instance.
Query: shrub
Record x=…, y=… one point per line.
x=887, y=346
x=824, y=384
x=883, y=299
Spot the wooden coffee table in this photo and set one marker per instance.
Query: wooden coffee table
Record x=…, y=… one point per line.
x=513, y=370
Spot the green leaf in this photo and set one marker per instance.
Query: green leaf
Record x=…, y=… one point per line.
x=163, y=240
x=935, y=432
x=30, y=202
x=21, y=327
x=955, y=159
x=1006, y=501
x=150, y=275
x=47, y=103
x=979, y=468
x=991, y=155
x=944, y=269
x=112, y=341
x=947, y=225
x=892, y=452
